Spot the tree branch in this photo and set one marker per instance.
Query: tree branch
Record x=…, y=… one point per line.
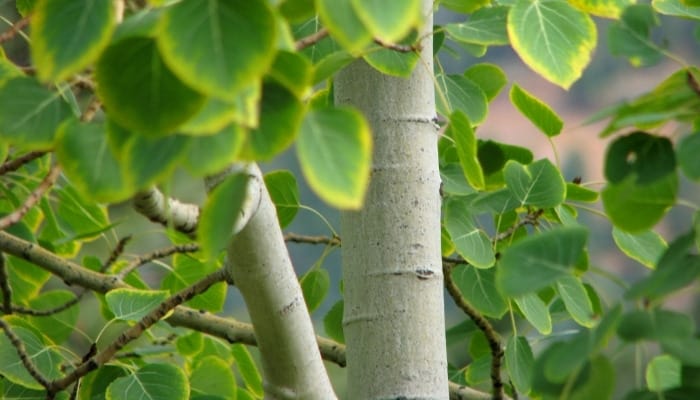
x=135, y=331
x=311, y=40
x=34, y=197
x=5, y=287
x=17, y=163
x=168, y=212
x=296, y=238
x=160, y=253
x=10, y=33
x=485, y=326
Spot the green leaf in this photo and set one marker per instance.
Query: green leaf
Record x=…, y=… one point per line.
x=392, y=62
x=344, y=25
x=631, y=36
x=230, y=45
x=460, y=129
x=663, y=372
x=293, y=71
x=45, y=359
x=84, y=153
x=217, y=114
x=677, y=268
x=490, y=78
x=576, y=300
x=576, y=192
x=329, y=65
x=539, y=113
x=635, y=208
x=493, y=155
x=186, y=270
x=30, y=113
x=464, y=6
x=677, y=8
x=388, y=21
x=282, y=186
x=59, y=326
x=24, y=7
x=685, y=350
x=333, y=322
x=478, y=287
x=478, y=372
x=453, y=180
x=67, y=35
x=246, y=367
x=163, y=102
x=553, y=38
x=519, y=362
x=646, y=157
x=281, y=115
x=486, y=26
x=213, y=376
x=212, y=153
x=132, y=304
x=539, y=184
x=656, y=324
x=456, y=92
x=94, y=385
x=220, y=213
x=147, y=160
x=645, y=247
x=78, y=217
x=471, y=242
x=536, y=312
x=152, y=381
x=688, y=149
x=602, y=8
x=539, y=260
x=314, y=285
x=601, y=380
x=334, y=150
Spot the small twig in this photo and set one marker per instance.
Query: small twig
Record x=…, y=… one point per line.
x=311, y=40
x=51, y=311
x=484, y=325
x=692, y=82
x=136, y=331
x=91, y=110
x=402, y=48
x=5, y=287
x=118, y=250
x=296, y=238
x=32, y=199
x=22, y=353
x=532, y=218
x=160, y=253
x=10, y=33
x=17, y=163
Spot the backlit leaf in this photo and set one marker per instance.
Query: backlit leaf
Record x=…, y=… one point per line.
x=536, y=312
x=460, y=130
x=631, y=36
x=282, y=186
x=133, y=304
x=486, y=26
x=645, y=247
x=46, y=359
x=388, y=21
x=456, y=92
x=218, y=46
x=152, y=381
x=344, y=24
x=212, y=153
x=552, y=38
x=602, y=8
x=539, y=113
x=334, y=150
x=538, y=184
x=663, y=372
x=490, y=78
x=67, y=35
x=220, y=213
x=213, y=376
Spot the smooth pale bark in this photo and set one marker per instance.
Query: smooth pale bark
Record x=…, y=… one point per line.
x=394, y=314
x=260, y=266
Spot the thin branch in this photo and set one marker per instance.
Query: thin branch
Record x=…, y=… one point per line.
x=5, y=287
x=311, y=40
x=22, y=353
x=17, y=163
x=10, y=33
x=91, y=110
x=482, y=323
x=114, y=255
x=532, y=218
x=160, y=253
x=51, y=311
x=32, y=199
x=296, y=238
x=401, y=48
x=135, y=331
x=168, y=212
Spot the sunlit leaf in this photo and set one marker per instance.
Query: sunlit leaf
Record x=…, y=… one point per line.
x=213, y=376
x=334, y=150
x=631, y=36
x=460, y=129
x=388, y=21
x=663, y=372
x=576, y=300
x=539, y=113
x=67, y=35
x=486, y=26
x=536, y=312
x=187, y=270
x=246, y=367
x=282, y=186
x=456, y=92
x=645, y=247
x=132, y=304
x=553, y=38
x=490, y=78
x=152, y=381
x=218, y=46
x=344, y=24
x=602, y=8
x=539, y=184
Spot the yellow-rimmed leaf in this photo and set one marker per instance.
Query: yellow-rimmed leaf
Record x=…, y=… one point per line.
x=344, y=24
x=460, y=129
x=152, y=381
x=487, y=26
x=334, y=150
x=602, y=8
x=539, y=113
x=133, y=304
x=149, y=100
x=218, y=46
x=67, y=35
x=212, y=153
x=552, y=38
x=389, y=20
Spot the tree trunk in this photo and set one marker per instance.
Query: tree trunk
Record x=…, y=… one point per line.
x=394, y=313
